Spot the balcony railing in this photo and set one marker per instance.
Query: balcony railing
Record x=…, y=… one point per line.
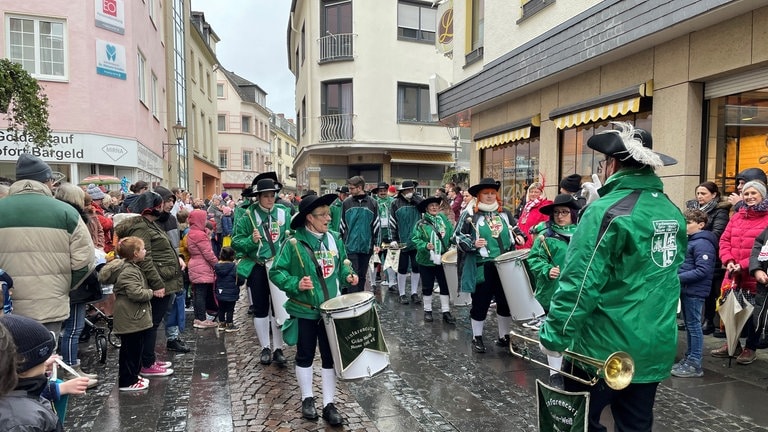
x=336, y=127
x=336, y=47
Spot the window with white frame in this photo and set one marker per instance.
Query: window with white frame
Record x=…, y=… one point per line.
x=413, y=103
x=39, y=45
x=223, y=159
x=245, y=124
x=247, y=160
x=155, y=99
x=222, y=123
x=220, y=90
x=416, y=22
x=141, y=75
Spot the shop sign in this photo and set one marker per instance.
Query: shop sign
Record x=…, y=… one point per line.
x=71, y=148
x=110, y=15
x=110, y=59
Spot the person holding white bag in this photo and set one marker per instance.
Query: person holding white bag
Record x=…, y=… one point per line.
x=431, y=236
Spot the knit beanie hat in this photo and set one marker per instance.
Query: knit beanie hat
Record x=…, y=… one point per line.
x=165, y=193
x=571, y=184
x=756, y=185
x=34, y=343
x=95, y=192
x=30, y=167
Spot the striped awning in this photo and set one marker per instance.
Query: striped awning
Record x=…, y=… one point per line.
x=506, y=137
x=602, y=107
x=421, y=158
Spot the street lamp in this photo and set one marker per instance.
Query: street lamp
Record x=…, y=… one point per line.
x=178, y=132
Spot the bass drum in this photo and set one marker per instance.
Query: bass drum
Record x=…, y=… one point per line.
x=517, y=285
x=451, y=269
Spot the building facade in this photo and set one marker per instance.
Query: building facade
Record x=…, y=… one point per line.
x=364, y=75
x=102, y=65
x=547, y=76
x=243, y=127
x=202, y=153
x=284, y=150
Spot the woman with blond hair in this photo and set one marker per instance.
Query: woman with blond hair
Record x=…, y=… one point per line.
x=531, y=214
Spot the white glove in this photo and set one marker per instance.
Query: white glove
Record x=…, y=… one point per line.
x=549, y=352
x=589, y=189
x=393, y=245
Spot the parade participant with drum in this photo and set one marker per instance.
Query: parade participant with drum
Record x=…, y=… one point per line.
x=619, y=289
x=309, y=269
x=259, y=230
x=403, y=216
x=431, y=235
x=547, y=258
x=484, y=232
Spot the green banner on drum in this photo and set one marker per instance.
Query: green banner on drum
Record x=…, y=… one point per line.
x=561, y=410
x=357, y=334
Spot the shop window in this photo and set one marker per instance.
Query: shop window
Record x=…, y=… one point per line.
x=515, y=165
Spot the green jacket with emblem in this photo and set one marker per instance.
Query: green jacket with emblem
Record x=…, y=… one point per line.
x=548, y=251
x=426, y=231
x=288, y=269
x=277, y=221
x=619, y=288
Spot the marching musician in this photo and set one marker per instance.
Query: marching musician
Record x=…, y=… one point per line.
x=403, y=216
x=619, y=289
x=384, y=202
x=484, y=232
x=309, y=269
x=431, y=235
x=260, y=228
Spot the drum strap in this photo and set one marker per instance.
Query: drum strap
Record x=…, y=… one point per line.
x=318, y=270
x=265, y=225
x=306, y=305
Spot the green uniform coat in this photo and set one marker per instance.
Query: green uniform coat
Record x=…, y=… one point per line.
x=276, y=222
x=425, y=233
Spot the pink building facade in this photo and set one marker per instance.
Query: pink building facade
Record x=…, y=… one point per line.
x=102, y=65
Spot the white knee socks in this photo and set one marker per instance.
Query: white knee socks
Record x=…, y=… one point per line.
x=477, y=327
x=304, y=377
x=445, y=303
x=401, y=283
x=262, y=331
x=415, y=282
x=555, y=362
x=328, y=385
x=391, y=276
x=277, y=334
x=427, y=303
x=504, y=324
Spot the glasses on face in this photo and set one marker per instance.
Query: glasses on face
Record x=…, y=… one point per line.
x=321, y=215
x=562, y=212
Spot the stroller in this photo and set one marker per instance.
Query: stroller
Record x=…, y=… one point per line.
x=99, y=325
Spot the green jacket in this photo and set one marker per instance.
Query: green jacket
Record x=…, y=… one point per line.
x=359, y=224
x=161, y=264
x=335, y=208
x=133, y=310
x=425, y=232
x=288, y=269
x=384, y=205
x=403, y=216
x=276, y=222
x=541, y=259
x=619, y=288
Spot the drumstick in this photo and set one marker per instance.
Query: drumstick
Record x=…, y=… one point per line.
x=348, y=263
x=546, y=248
x=298, y=255
x=250, y=216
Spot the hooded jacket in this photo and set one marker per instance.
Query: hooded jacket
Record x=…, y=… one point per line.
x=23, y=410
x=227, y=286
x=133, y=310
x=619, y=288
x=201, y=257
x=739, y=237
x=161, y=264
x=47, y=248
x=699, y=266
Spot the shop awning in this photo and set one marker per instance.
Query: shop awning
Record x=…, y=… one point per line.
x=506, y=133
x=602, y=107
x=421, y=158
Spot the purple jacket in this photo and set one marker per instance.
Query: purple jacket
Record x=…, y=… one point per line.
x=201, y=258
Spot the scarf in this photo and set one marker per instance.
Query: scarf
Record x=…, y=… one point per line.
x=527, y=209
x=706, y=208
x=494, y=207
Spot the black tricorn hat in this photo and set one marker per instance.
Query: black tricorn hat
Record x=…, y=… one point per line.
x=253, y=190
x=266, y=185
x=422, y=206
x=562, y=200
x=408, y=184
x=484, y=184
x=638, y=146
x=307, y=204
x=343, y=189
x=380, y=185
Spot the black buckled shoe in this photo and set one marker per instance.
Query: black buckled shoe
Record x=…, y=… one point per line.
x=477, y=344
x=503, y=341
x=266, y=356
x=279, y=358
x=428, y=316
x=331, y=415
x=415, y=299
x=177, y=345
x=404, y=299
x=448, y=318
x=308, y=410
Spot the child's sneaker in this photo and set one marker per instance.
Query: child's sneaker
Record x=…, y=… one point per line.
x=163, y=364
x=141, y=384
x=688, y=370
x=231, y=328
x=155, y=371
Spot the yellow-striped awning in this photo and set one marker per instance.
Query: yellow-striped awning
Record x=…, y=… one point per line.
x=421, y=158
x=503, y=138
x=602, y=112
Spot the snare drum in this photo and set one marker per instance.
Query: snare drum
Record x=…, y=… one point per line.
x=355, y=337
x=278, y=298
x=450, y=268
x=517, y=285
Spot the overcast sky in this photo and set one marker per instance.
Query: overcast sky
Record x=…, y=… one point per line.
x=253, y=45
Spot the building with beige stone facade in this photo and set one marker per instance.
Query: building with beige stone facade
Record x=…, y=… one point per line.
x=363, y=72
x=243, y=131
x=537, y=81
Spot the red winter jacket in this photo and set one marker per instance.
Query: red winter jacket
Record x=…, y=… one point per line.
x=201, y=258
x=530, y=219
x=739, y=237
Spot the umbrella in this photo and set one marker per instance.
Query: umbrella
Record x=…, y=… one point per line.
x=734, y=316
x=99, y=180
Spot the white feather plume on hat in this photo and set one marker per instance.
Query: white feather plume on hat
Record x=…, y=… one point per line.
x=634, y=146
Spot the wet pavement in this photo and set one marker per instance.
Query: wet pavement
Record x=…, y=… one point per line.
x=434, y=383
